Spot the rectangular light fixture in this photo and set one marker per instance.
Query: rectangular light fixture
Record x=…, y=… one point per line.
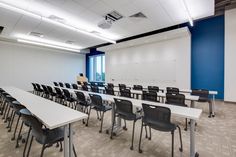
x=187, y=12
x=27, y=13
x=47, y=45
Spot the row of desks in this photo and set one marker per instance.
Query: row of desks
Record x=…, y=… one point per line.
x=162, y=95
x=191, y=113
x=51, y=114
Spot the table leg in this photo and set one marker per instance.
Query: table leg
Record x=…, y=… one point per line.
x=193, y=153
x=70, y=140
x=192, y=105
x=66, y=141
x=213, y=106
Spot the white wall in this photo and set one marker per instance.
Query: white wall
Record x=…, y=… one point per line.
x=230, y=55
x=164, y=62
x=20, y=65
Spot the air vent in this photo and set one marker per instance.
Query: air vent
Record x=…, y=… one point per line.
x=114, y=16
x=56, y=18
x=138, y=15
x=36, y=34
x=1, y=29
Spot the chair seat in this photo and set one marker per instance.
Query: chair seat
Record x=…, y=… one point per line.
x=102, y=108
x=50, y=136
x=71, y=99
x=130, y=116
x=162, y=126
x=203, y=99
x=83, y=103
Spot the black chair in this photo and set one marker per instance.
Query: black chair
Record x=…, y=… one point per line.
x=153, y=88
x=39, y=89
x=75, y=86
x=59, y=97
x=179, y=100
x=16, y=108
x=85, y=87
x=7, y=107
x=203, y=97
x=52, y=94
x=81, y=99
x=61, y=84
x=110, y=85
x=158, y=118
x=137, y=87
x=67, y=85
x=125, y=93
x=109, y=90
x=172, y=90
x=93, y=83
x=100, y=84
x=69, y=98
x=97, y=104
x=124, y=110
x=45, y=92
x=122, y=86
x=34, y=88
x=55, y=84
x=43, y=135
x=95, y=89
x=85, y=83
x=150, y=96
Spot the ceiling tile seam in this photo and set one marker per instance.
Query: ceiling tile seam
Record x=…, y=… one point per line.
x=161, y=5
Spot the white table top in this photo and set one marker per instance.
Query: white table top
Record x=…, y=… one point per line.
x=160, y=94
x=185, y=112
x=181, y=90
x=51, y=114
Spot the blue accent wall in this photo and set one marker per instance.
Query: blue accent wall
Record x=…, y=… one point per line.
x=207, y=55
x=93, y=52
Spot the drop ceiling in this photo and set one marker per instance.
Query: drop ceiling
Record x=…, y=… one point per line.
x=86, y=14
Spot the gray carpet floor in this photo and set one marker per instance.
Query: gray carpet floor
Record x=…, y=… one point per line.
x=215, y=137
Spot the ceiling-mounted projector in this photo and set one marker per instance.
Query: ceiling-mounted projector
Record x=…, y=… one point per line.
x=110, y=18
x=105, y=24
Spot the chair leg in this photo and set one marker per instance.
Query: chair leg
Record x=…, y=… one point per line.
x=5, y=112
x=61, y=149
x=30, y=146
x=14, y=134
x=88, y=115
x=186, y=124
x=132, y=147
x=146, y=136
x=140, y=139
x=101, y=122
x=112, y=127
x=12, y=120
x=180, y=138
x=26, y=142
x=150, y=132
x=172, y=144
x=19, y=134
x=9, y=118
x=124, y=127
x=42, y=151
x=75, y=154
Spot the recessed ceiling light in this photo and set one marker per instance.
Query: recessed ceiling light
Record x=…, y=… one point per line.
x=46, y=42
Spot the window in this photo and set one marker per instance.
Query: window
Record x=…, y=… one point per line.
x=97, y=68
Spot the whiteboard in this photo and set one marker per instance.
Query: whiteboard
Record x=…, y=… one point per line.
x=158, y=72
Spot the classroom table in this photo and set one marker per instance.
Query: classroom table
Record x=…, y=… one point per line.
x=191, y=113
x=51, y=114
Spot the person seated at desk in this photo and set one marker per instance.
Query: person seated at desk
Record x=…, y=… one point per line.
x=81, y=78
